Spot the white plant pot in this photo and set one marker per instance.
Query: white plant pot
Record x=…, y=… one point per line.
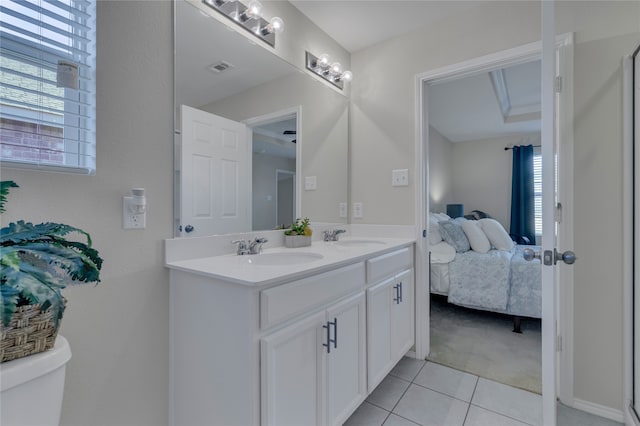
x=294, y=241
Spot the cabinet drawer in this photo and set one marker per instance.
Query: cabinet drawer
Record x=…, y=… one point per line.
x=389, y=264
x=287, y=300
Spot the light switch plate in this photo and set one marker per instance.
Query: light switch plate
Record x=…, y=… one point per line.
x=358, y=211
x=310, y=183
x=400, y=177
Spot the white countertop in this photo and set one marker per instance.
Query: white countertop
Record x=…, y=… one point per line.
x=240, y=269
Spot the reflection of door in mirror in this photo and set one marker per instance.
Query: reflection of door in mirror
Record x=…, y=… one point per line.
x=274, y=146
x=285, y=197
x=214, y=174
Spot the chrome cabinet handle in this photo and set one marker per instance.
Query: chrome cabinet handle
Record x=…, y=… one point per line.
x=327, y=326
x=398, y=297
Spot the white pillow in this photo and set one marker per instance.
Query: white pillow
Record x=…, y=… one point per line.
x=477, y=238
x=434, y=231
x=496, y=234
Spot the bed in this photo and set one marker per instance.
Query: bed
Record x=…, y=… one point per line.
x=493, y=279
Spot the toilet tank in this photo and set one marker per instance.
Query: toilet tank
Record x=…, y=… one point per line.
x=32, y=387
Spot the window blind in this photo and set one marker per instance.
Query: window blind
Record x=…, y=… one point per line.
x=46, y=122
x=537, y=191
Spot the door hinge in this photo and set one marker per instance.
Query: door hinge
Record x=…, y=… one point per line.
x=558, y=343
x=558, y=84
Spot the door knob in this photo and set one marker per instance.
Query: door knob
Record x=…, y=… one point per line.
x=567, y=257
x=188, y=228
x=530, y=254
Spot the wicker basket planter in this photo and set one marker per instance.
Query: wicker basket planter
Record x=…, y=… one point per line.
x=30, y=331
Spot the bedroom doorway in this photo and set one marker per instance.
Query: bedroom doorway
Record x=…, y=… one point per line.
x=477, y=124
x=562, y=159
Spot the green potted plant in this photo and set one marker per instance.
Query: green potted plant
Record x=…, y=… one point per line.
x=299, y=234
x=37, y=262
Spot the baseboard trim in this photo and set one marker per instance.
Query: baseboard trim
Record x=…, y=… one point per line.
x=599, y=410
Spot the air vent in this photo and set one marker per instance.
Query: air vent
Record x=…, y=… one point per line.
x=220, y=67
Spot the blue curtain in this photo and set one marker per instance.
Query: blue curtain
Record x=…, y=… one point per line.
x=522, y=194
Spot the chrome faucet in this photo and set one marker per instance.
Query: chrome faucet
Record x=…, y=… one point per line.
x=249, y=247
x=243, y=248
x=255, y=246
x=332, y=234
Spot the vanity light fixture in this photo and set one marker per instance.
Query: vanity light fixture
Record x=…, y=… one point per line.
x=332, y=72
x=249, y=17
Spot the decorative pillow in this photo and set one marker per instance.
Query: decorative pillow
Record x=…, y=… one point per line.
x=496, y=234
x=434, y=231
x=477, y=238
x=453, y=234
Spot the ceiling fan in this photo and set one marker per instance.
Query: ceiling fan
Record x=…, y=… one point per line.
x=290, y=132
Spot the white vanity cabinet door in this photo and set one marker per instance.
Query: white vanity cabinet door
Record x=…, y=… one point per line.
x=379, y=362
x=346, y=360
x=402, y=315
x=314, y=371
x=292, y=370
x=390, y=327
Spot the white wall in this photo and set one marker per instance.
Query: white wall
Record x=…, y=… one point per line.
x=118, y=330
x=482, y=175
x=383, y=138
x=440, y=171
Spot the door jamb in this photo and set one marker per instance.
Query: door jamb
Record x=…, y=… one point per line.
x=277, y=116
x=513, y=56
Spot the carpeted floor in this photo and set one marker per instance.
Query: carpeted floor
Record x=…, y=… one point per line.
x=483, y=344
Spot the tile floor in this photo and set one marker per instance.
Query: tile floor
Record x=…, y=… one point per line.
x=425, y=393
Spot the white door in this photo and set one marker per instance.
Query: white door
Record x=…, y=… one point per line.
x=554, y=124
x=214, y=175
x=346, y=359
x=292, y=372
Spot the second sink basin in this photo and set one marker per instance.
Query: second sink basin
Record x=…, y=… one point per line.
x=280, y=258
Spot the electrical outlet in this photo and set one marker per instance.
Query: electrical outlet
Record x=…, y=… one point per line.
x=358, y=211
x=342, y=207
x=400, y=177
x=132, y=220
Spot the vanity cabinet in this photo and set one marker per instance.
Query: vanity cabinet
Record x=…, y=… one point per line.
x=314, y=371
x=390, y=313
x=304, y=349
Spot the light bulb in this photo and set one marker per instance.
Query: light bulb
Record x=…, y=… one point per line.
x=346, y=76
x=277, y=24
x=336, y=68
x=323, y=60
x=254, y=10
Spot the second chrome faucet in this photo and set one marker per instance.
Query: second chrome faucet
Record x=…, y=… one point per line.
x=250, y=247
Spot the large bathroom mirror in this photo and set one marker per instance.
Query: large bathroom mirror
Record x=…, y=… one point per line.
x=258, y=141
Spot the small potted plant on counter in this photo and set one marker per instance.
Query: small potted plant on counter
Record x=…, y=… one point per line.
x=36, y=263
x=299, y=234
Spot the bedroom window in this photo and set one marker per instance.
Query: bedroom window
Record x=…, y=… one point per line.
x=47, y=85
x=537, y=190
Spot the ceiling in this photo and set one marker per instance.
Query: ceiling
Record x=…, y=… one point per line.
x=270, y=139
x=471, y=108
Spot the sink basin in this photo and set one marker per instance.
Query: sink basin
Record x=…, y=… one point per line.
x=275, y=259
x=359, y=243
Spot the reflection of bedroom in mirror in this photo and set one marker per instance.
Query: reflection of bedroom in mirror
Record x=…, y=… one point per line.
x=485, y=209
